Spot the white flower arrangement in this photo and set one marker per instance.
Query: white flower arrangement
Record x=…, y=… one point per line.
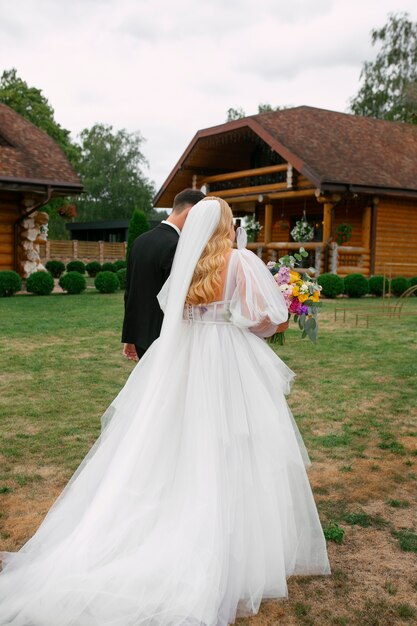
x=252, y=228
x=302, y=231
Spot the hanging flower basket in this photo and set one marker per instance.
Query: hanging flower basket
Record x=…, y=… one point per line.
x=253, y=228
x=302, y=230
x=68, y=211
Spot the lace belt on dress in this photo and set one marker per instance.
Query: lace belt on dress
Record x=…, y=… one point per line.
x=213, y=313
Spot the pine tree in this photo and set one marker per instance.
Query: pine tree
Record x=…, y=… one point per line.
x=137, y=226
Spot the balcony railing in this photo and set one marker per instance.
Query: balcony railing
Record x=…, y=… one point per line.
x=273, y=179
x=345, y=260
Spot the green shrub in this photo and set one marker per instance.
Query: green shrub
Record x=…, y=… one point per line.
x=40, y=283
x=76, y=266
x=108, y=267
x=356, y=285
x=119, y=264
x=332, y=285
x=55, y=268
x=73, y=282
x=106, y=282
x=10, y=283
x=376, y=285
x=93, y=268
x=413, y=283
x=399, y=285
x=137, y=226
x=121, y=276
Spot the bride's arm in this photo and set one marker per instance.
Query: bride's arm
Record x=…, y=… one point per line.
x=256, y=302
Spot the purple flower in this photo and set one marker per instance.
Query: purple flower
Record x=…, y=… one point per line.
x=283, y=275
x=304, y=309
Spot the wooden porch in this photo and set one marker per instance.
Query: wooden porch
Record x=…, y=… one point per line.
x=277, y=195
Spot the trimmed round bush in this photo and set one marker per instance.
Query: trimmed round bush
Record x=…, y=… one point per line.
x=376, y=285
x=399, y=285
x=108, y=267
x=76, y=266
x=413, y=283
x=356, y=285
x=332, y=285
x=93, y=268
x=106, y=282
x=55, y=268
x=119, y=265
x=73, y=282
x=10, y=283
x=40, y=283
x=121, y=276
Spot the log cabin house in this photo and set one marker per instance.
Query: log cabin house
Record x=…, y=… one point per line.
x=333, y=167
x=33, y=169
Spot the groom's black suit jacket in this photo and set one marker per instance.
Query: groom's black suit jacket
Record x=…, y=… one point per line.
x=148, y=266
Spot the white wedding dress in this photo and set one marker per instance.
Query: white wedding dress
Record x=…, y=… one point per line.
x=194, y=503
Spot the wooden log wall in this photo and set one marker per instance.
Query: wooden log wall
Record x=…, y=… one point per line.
x=396, y=237
x=9, y=213
x=350, y=212
x=283, y=212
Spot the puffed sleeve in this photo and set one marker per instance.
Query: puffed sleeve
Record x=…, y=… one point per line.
x=256, y=302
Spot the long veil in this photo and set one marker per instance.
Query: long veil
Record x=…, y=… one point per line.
x=138, y=413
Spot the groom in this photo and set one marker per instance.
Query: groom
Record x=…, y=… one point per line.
x=148, y=266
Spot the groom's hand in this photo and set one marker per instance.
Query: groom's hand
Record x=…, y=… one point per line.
x=129, y=351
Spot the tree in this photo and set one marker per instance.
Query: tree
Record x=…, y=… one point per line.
x=239, y=113
x=235, y=114
x=137, y=226
x=110, y=167
x=31, y=104
x=268, y=108
x=389, y=89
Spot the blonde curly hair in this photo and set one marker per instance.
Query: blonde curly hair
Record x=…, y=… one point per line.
x=206, y=282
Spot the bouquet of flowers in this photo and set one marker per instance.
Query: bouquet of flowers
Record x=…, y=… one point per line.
x=301, y=293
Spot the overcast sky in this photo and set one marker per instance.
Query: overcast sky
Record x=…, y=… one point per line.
x=170, y=67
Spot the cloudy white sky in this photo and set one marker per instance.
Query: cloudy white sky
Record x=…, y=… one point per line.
x=171, y=67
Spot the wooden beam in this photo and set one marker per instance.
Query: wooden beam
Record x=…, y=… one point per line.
x=353, y=249
x=293, y=245
x=374, y=217
x=243, y=173
x=366, y=226
x=268, y=196
x=292, y=194
x=327, y=222
x=268, y=222
x=256, y=189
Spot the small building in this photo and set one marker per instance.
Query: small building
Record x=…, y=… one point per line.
x=342, y=172
x=114, y=231
x=33, y=170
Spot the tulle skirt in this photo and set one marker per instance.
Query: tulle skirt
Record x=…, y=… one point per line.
x=191, y=507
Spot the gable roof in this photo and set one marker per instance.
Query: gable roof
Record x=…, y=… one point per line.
x=333, y=150
x=29, y=157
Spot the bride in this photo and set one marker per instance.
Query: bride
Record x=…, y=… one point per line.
x=194, y=503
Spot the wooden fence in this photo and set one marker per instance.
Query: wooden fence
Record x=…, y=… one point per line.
x=86, y=251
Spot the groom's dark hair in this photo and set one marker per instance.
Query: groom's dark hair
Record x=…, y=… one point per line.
x=186, y=197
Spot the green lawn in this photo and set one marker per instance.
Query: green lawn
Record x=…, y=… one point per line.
x=355, y=400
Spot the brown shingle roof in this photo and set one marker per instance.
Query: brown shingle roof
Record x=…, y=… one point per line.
x=328, y=147
x=27, y=154
x=347, y=149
